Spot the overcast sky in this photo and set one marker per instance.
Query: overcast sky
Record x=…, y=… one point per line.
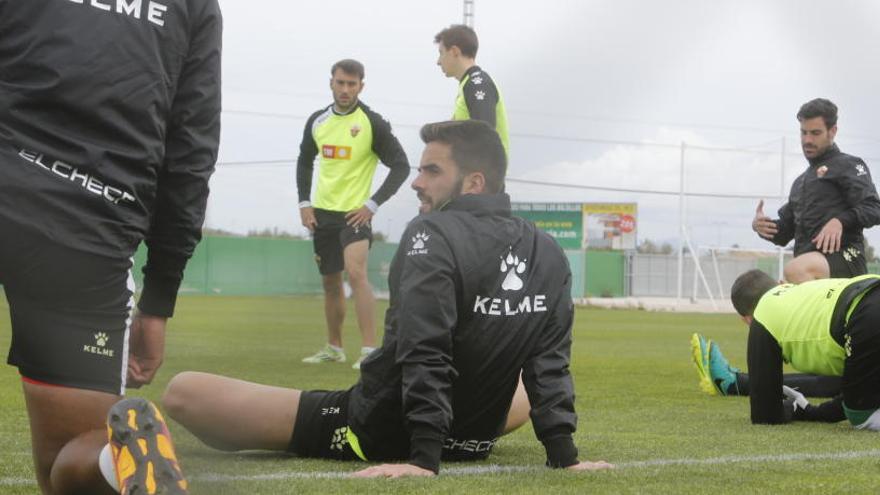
x=599, y=93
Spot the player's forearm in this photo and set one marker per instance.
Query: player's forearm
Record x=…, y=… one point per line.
x=163, y=274
x=175, y=231
x=861, y=216
x=426, y=447
x=784, y=233
x=304, y=168
x=828, y=412
x=561, y=451
x=395, y=178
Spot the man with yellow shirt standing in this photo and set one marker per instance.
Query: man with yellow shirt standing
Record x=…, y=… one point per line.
x=478, y=96
x=351, y=139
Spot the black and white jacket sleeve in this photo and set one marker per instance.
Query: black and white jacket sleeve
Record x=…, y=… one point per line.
x=481, y=97
x=191, y=145
x=854, y=181
x=426, y=317
x=548, y=382
x=391, y=154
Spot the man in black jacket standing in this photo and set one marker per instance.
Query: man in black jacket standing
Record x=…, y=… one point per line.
x=477, y=296
x=828, y=207
x=109, y=129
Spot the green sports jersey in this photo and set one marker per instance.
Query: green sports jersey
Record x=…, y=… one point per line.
x=350, y=146
x=480, y=99
x=800, y=319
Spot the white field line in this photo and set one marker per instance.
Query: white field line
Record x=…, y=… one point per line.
x=497, y=469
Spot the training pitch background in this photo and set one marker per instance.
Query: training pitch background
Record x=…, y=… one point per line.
x=638, y=402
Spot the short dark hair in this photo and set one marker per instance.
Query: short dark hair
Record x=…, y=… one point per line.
x=747, y=290
x=475, y=146
x=349, y=66
x=819, y=107
x=464, y=37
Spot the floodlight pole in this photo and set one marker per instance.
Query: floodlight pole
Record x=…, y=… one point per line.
x=468, y=13
x=681, y=227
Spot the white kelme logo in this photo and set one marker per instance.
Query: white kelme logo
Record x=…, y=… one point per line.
x=477, y=80
x=512, y=265
x=419, y=241
x=480, y=95
x=861, y=170
x=101, y=340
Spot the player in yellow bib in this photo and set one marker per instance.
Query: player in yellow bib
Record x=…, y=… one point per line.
x=825, y=327
x=478, y=96
x=349, y=140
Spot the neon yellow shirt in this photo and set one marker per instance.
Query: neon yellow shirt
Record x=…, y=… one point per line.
x=799, y=318
x=350, y=146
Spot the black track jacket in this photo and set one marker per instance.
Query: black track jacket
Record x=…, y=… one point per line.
x=835, y=185
x=109, y=127
x=476, y=296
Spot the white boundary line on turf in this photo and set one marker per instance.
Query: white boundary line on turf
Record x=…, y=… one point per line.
x=498, y=469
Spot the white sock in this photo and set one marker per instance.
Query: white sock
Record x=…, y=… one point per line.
x=337, y=349
x=366, y=350
x=872, y=423
x=108, y=470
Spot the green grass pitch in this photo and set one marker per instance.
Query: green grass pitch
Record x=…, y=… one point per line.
x=637, y=397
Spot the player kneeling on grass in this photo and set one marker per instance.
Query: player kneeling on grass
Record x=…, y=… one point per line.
x=477, y=296
x=825, y=327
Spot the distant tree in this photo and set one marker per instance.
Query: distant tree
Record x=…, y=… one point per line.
x=650, y=247
x=219, y=232
x=870, y=254
x=274, y=232
x=379, y=236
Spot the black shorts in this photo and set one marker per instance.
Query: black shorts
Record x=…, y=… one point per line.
x=321, y=427
x=331, y=237
x=861, y=369
x=70, y=312
x=847, y=263
x=321, y=430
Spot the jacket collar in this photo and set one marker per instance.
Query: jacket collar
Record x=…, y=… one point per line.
x=831, y=152
x=481, y=204
x=471, y=70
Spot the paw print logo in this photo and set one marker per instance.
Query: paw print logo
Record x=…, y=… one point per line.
x=477, y=80
x=101, y=339
x=860, y=170
x=512, y=265
x=339, y=439
x=419, y=240
x=480, y=95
